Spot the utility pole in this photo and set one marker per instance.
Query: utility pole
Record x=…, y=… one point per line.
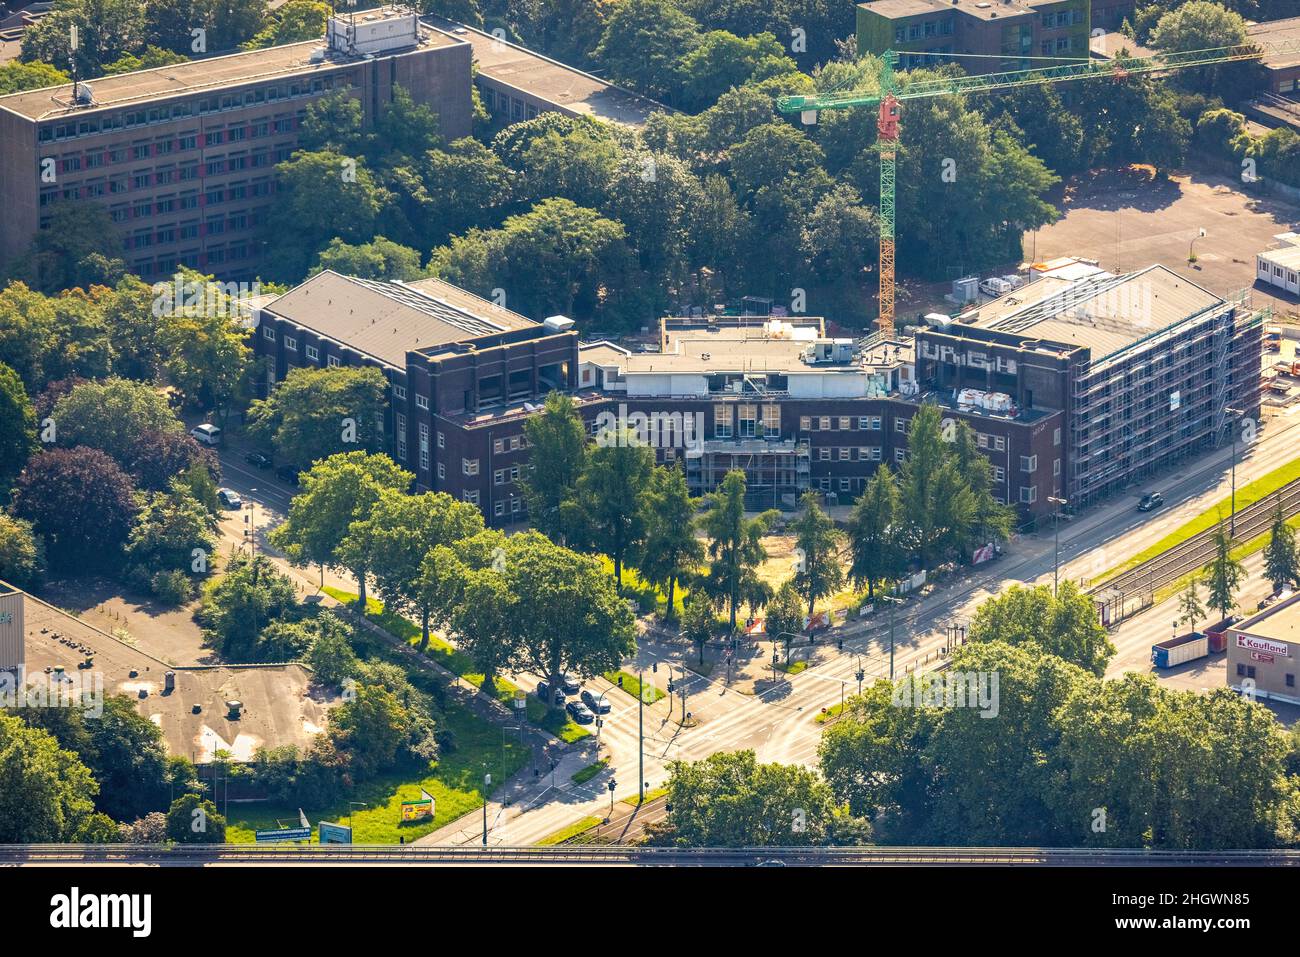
x=1056, y=534
x=1232, y=520
x=640, y=732
x=487, y=783
x=892, y=602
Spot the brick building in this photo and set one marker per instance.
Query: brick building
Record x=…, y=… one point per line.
x=183, y=156
x=983, y=36
x=1074, y=388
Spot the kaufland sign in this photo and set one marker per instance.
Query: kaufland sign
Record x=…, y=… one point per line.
x=1264, y=645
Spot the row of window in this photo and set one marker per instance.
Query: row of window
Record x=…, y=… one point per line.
x=182, y=142
x=93, y=126
x=844, y=423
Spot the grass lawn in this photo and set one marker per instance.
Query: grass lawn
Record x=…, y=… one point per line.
x=572, y=831
x=793, y=667
x=589, y=772
x=455, y=780
x=831, y=712
x=632, y=686
x=649, y=796
x=1262, y=487
x=1240, y=553
x=461, y=664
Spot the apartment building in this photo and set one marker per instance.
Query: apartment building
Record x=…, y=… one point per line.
x=1137, y=372
x=183, y=156
x=983, y=36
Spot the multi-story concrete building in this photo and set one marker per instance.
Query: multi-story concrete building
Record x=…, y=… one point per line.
x=183, y=155
x=1075, y=388
x=982, y=36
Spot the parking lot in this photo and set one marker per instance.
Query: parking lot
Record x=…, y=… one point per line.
x=1127, y=219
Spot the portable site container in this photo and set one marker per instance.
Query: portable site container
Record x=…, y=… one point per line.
x=1176, y=651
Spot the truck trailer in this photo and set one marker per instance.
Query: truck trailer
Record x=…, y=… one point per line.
x=1176, y=651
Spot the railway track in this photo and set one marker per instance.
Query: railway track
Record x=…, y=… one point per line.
x=1196, y=552
x=624, y=855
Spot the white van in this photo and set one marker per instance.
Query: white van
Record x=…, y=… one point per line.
x=207, y=433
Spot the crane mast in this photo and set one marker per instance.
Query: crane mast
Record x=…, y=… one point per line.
x=890, y=94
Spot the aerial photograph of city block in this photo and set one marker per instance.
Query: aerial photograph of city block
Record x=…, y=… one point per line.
x=650, y=433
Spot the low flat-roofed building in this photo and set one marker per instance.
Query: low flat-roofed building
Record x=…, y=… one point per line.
x=518, y=83
x=279, y=703
x=1264, y=652
x=1281, y=65
x=1279, y=267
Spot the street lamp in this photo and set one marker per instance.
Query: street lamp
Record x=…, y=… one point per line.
x=487, y=783
x=1056, y=534
x=1191, y=247
x=1232, y=520
x=892, y=602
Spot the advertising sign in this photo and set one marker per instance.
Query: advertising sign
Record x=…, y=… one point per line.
x=1263, y=644
x=284, y=834
x=335, y=833
x=418, y=810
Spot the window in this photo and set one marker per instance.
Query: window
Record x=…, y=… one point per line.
x=424, y=449
x=869, y=454
x=499, y=509
x=399, y=426
x=332, y=361
x=442, y=441
x=498, y=446
x=999, y=474
x=499, y=477
x=824, y=455
x=824, y=423
x=771, y=420
x=469, y=466
x=900, y=455
x=900, y=425
x=845, y=484
x=421, y=401
x=1056, y=436
x=268, y=333
x=805, y=423
x=399, y=392
x=291, y=343
x=442, y=469
x=845, y=423
x=313, y=353
x=1056, y=467
x=1028, y=494
x=999, y=443
x=471, y=496
x=722, y=421
x=845, y=452
x=1029, y=463
x=1290, y=681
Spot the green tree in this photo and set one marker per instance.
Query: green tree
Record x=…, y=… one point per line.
x=721, y=60
x=1281, y=565
x=874, y=529
x=331, y=657
x=168, y=529
x=612, y=493
x=111, y=415
x=465, y=182
x=106, y=29
x=370, y=728
x=699, y=621
x=207, y=354
x=294, y=22
x=671, y=551
x=818, y=572
x=400, y=532
x=1190, y=608
x=730, y=800
x=379, y=259
x=1225, y=574
x=237, y=606
x=1065, y=624
x=22, y=553
x=334, y=122
x=15, y=77
x=78, y=247
x=785, y=616
x=644, y=43
x=336, y=493
x=48, y=793
x=194, y=820
x=558, y=441
x=17, y=427
x=735, y=547
x=318, y=412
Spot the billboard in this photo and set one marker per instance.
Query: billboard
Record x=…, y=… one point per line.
x=283, y=834
x=335, y=833
x=420, y=810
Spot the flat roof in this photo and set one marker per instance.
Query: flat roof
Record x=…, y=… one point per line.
x=981, y=9
x=603, y=353
x=1275, y=31
x=710, y=352
x=281, y=703
x=551, y=80
x=387, y=319
x=1101, y=313
x=194, y=76
x=1286, y=256
x=1281, y=622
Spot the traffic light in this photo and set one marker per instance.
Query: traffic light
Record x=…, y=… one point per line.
x=860, y=675
x=840, y=642
x=670, y=686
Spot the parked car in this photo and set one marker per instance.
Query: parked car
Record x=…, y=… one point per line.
x=1151, y=501
x=258, y=459
x=229, y=498
x=570, y=683
x=596, y=702
x=580, y=713
x=287, y=473
x=546, y=694
x=207, y=434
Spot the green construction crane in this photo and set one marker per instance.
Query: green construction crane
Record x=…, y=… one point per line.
x=890, y=93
